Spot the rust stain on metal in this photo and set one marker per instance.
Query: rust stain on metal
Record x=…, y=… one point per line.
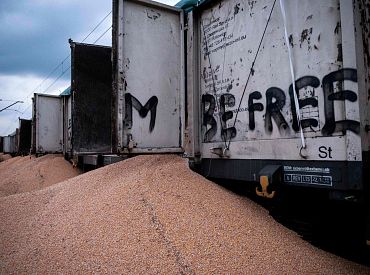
x=151, y=14
x=236, y=9
x=337, y=28
x=229, y=88
x=340, y=53
x=291, y=40
x=306, y=36
x=251, y=5
x=125, y=85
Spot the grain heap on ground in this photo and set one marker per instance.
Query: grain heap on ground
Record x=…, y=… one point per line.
x=4, y=157
x=150, y=214
x=24, y=174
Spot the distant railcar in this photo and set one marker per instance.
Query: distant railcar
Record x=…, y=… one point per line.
x=46, y=124
x=24, y=137
x=9, y=144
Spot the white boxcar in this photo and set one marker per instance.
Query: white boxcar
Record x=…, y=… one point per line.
x=47, y=124
x=8, y=144
x=276, y=92
x=248, y=122
x=148, y=76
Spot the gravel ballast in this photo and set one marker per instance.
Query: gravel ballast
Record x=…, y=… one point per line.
x=150, y=214
x=25, y=174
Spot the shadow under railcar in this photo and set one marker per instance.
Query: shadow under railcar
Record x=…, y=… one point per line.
x=334, y=226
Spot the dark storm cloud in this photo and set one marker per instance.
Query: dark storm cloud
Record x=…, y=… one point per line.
x=34, y=39
x=34, y=33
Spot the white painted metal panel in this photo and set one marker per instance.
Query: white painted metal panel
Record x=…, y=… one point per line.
x=10, y=143
x=193, y=119
x=265, y=126
x=362, y=35
x=7, y=145
x=67, y=124
x=48, y=123
x=150, y=77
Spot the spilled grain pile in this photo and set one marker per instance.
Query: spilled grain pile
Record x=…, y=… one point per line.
x=24, y=174
x=150, y=214
x=4, y=157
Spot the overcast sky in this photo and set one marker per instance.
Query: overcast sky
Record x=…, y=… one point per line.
x=34, y=40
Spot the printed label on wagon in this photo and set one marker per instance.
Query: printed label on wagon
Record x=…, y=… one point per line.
x=308, y=175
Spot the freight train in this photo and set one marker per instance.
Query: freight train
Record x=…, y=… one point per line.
x=18, y=142
x=273, y=93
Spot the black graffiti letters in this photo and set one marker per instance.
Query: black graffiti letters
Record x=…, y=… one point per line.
x=331, y=125
x=133, y=102
x=303, y=82
x=208, y=118
x=252, y=107
x=307, y=88
x=275, y=101
x=227, y=100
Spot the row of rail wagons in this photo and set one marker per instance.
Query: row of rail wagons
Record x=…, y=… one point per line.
x=274, y=93
x=271, y=93
x=77, y=122
x=18, y=142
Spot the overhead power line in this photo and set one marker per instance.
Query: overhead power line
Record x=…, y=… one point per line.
x=48, y=76
x=66, y=70
x=102, y=34
x=101, y=21
x=62, y=62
